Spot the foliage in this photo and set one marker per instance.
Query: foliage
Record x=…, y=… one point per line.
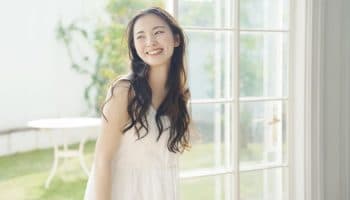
x=108, y=43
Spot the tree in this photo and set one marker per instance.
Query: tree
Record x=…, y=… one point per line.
x=108, y=42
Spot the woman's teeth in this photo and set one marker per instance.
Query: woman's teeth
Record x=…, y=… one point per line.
x=158, y=51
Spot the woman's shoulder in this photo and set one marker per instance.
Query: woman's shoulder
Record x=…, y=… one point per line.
x=123, y=81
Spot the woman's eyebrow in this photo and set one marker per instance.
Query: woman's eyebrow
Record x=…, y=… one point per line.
x=152, y=29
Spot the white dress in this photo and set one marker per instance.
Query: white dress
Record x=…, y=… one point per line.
x=143, y=169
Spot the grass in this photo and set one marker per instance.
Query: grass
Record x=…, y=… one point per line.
x=22, y=176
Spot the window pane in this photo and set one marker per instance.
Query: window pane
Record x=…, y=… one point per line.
x=213, y=123
x=205, y=13
x=269, y=184
x=263, y=64
x=262, y=133
x=268, y=14
x=209, y=64
x=207, y=188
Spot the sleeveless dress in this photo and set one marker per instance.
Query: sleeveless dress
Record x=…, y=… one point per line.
x=142, y=169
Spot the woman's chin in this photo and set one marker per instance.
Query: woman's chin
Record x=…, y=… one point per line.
x=157, y=64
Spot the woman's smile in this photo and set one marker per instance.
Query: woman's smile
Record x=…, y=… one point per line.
x=154, y=52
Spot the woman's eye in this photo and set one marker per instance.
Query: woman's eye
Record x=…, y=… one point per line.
x=142, y=36
x=139, y=37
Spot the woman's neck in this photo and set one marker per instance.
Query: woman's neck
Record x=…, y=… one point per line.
x=157, y=78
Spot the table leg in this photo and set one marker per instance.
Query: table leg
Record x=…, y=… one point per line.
x=65, y=149
x=54, y=167
x=81, y=157
x=67, y=153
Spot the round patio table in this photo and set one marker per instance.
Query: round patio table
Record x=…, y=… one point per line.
x=65, y=152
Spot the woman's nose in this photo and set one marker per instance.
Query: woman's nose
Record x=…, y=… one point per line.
x=150, y=41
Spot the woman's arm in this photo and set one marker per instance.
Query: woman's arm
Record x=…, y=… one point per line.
x=115, y=110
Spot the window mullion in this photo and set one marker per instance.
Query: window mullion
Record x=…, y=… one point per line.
x=172, y=6
x=235, y=104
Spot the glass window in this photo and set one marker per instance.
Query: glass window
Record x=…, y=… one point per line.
x=238, y=61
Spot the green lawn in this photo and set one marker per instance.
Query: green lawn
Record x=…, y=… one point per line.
x=22, y=176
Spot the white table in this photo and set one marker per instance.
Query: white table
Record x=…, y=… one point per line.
x=66, y=123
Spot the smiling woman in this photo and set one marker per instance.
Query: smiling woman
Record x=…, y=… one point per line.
x=154, y=41
x=146, y=122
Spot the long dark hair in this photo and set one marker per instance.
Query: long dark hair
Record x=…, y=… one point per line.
x=174, y=105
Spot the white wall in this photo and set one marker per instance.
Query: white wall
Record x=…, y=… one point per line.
x=36, y=80
x=336, y=100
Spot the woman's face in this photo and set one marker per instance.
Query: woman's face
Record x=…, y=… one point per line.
x=154, y=41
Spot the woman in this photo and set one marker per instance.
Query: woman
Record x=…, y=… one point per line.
x=146, y=123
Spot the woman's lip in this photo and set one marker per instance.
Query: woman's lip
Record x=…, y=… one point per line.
x=154, y=50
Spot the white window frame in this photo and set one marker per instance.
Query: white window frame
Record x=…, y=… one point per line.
x=305, y=100
x=306, y=160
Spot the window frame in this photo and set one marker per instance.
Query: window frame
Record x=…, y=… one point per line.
x=306, y=119
x=305, y=98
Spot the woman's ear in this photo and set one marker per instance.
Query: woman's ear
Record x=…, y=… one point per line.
x=177, y=40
